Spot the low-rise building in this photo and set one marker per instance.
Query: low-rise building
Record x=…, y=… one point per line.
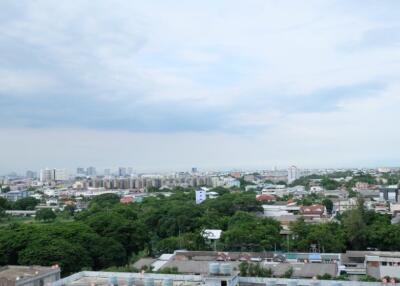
x=14, y=196
x=279, y=209
x=383, y=264
x=28, y=275
x=266, y=198
x=390, y=193
x=315, y=210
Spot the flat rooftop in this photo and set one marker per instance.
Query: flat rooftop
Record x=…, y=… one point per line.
x=103, y=281
x=12, y=272
x=86, y=278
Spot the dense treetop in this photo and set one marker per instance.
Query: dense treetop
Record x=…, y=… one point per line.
x=111, y=234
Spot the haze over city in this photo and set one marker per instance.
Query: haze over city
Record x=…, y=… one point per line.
x=167, y=85
x=199, y=143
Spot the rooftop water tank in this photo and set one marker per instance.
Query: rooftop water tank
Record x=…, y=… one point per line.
x=113, y=281
x=226, y=269
x=148, y=281
x=271, y=283
x=130, y=281
x=168, y=282
x=213, y=268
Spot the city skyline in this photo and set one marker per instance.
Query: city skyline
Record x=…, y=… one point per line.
x=171, y=85
x=115, y=171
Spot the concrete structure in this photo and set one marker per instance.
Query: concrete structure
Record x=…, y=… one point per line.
x=20, y=213
x=80, y=171
x=218, y=279
x=14, y=196
x=91, y=171
x=129, y=171
x=383, y=264
x=124, y=278
x=230, y=182
x=281, y=209
x=28, y=275
x=266, y=198
x=31, y=174
x=293, y=174
x=50, y=175
x=60, y=175
x=46, y=175
x=390, y=194
x=342, y=205
x=212, y=233
x=377, y=264
x=315, y=210
x=201, y=196
x=198, y=262
x=122, y=171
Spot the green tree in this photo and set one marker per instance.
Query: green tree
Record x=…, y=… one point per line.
x=329, y=237
x=69, y=210
x=105, y=200
x=56, y=251
x=328, y=205
x=188, y=241
x=300, y=230
x=131, y=234
x=4, y=204
x=288, y=273
x=45, y=215
x=265, y=233
x=354, y=228
x=5, y=189
x=329, y=184
x=99, y=252
x=28, y=203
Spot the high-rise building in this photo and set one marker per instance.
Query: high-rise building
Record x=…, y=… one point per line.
x=194, y=170
x=46, y=175
x=60, y=175
x=122, y=171
x=91, y=171
x=200, y=196
x=80, y=171
x=129, y=171
x=293, y=174
x=107, y=172
x=50, y=175
x=31, y=174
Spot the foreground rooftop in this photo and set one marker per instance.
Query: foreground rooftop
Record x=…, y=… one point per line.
x=19, y=275
x=88, y=278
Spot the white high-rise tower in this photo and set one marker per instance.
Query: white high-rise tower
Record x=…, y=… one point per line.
x=293, y=174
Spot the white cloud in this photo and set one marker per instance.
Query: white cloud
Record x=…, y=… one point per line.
x=16, y=82
x=244, y=65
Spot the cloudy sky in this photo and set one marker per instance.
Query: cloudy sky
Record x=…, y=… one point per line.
x=166, y=85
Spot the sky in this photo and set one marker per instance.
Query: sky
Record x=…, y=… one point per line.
x=167, y=85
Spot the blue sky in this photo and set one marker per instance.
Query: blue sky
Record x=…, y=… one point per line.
x=166, y=85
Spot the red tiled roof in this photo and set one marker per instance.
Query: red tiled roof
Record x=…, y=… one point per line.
x=265, y=198
x=313, y=209
x=127, y=200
